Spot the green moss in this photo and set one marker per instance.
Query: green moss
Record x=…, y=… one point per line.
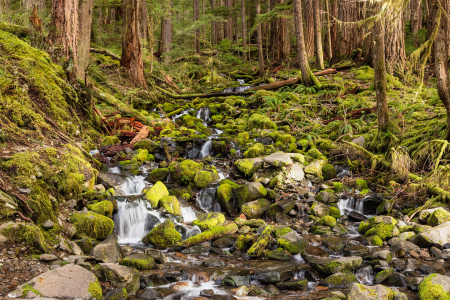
x=327, y=221
x=139, y=261
x=280, y=231
x=244, y=240
x=376, y=241
x=155, y=193
x=92, y=224
x=208, y=220
x=186, y=169
x=163, y=236
x=110, y=140
x=29, y=288
x=255, y=151
x=361, y=184
x=260, y=122
x=95, y=289
x=104, y=208
x=430, y=290
x=147, y=144
x=257, y=249
x=292, y=247
x=438, y=217
x=363, y=227
x=383, y=231
x=159, y=174
x=204, y=178
x=335, y=212
x=209, y=234
x=30, y=235
x=253, y=223
x=171, y=204
x=246, y=167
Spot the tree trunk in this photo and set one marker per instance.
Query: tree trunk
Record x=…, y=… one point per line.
x=260, y=44
x=303, y=58
x=244, y=31
x=229, y=24
x=347, y=39
x=214, y=24
x=395, y=43
x=168, y=31
x=440, y=56
x=380, y=76
x=416, y=19
x=334, y=26
x=64, y=32
x=161, y=40
x=84, y=44
x=131, y=46
x=308, y=15
x=222, y=25
x=197, y=31
x=328, y=48
x=318, y=36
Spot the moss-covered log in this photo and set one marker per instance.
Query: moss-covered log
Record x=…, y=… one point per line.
x=212, y=233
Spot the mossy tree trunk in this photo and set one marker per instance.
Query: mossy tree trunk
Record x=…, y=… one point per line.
x=318, y=36
x=308, y=78
x=214, y=25
x=197, y=31
x=167, y=36
x=395, y=43
x=131, y=46
x=244, y=31
x=380, y=75
x=259, y=41
x=440, y=56
x=416, y=19
x=328, y=47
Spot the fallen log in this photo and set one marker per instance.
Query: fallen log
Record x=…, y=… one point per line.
x=104, y=52
x=355, y=114
x=325, y=72
x=143, y=134
x=193, y=96
x=275, y=85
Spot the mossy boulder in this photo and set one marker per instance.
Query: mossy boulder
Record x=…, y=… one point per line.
x=204, y=177
x=435, y=287
x=328, y=172
x=26, y=234
x=335, y=212
x=382, y=219
x=438, y=217
x=255, y=209
x=139, y=261
x=185, y=171
x=383, y=231
x=209, y=234
x=225, y=198
x=331, y=266
x=171, y=204
x=283, y=206
x=148, y=145
x=120, y=276
x=327, y=221
x=339, y=187
x=327, y=197
x=319, y=209
x=339, y=280
x=254, y=151
x=361, y=184
x=163, y=236
x=248, y=166
x=249, y=192
x=92, y=225
x=258, y=248
x=253, y=223
x=292, y=242
x=293, y=285
x=384, y=275
x=315, y=168
x=110, y=140
x=155, y=193
x=208, y=220
x=359, y=291
x=159, y=174
x=104, y=208
x=257, y=121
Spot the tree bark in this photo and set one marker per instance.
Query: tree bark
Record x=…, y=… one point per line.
x=416, y=19
x=440, y=8
x=301, y=49
x=380, y=76
x=308, y=15
x=244, y=31
x=214, y=24
x=328, y=48
x=395, y=43
x=334, y=26
x=131, y=46
x=197, y=31
x=347, y=39
x=64, y=32
x=84, y=44
x=168, y=30
x=229, y=24
x=318, y=36
x=260, y=44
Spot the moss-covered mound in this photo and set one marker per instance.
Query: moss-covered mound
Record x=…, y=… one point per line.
x=155, y=193
x=171, y=204
x=25, y=234
x=139, y=261
x=92, y=224
x=208, y=220
x=104, y=208
x=163, y=236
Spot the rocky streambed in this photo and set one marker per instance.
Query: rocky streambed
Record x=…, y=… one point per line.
x=242, y=216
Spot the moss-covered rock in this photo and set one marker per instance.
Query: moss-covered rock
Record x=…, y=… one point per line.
x=328, y=172
x=254, y=151
x=104, y=208
x=207, y=235
x=384, y=275
x=185, y=171
x=225, y=198
x=163, y=236
x=438, y=217
x=255, y=209
x=92, y=224
x=248, y=166
x=139, y=261
x=293, y=285
x=159, y=174
x=327, y=197
x=332, y=266
x=26, y=234
x=376, y=241
x=435, y=287
x=208, y=220
x=315, y=168
x=204, y=177
x=148, y=145
x=361, y=184
x=327, y=221
x=260, y=122
x=319, y=210
x=383, y=231
x=339, y=187
x=110, y=140
x=339, y=280
x=253, y=223
x=335, y=212
x=358, y=291
x=171, y=204
x=155, y=193
x=258, y=248
x=292, y=242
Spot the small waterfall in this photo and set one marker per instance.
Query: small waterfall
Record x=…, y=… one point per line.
x=365, y=275
x=184, y=112
x=115, y=170
x=206, y=149
x=204, y=115
x=189, y=231
x=206, y=199
x=241, y=81
x=188, y=214
x=134, y=185
x=238, y=89
x=350, y=204
x=134, y=220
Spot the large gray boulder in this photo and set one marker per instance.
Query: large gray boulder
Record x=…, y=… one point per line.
x=434, y=286
x=111, y=180
x=358, y=291
x=107, y=251
x=67, y=282
x=295, y=172
x=437, y=236
x=278, y=159
x=120, y=276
